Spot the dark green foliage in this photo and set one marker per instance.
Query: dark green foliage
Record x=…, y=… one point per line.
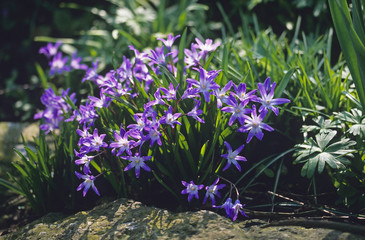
x=46, y=174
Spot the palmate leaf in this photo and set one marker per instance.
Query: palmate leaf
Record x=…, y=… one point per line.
x=323, y=125
x=324, y=138
x=356, y=118
x=358, y=129
x=316, y=154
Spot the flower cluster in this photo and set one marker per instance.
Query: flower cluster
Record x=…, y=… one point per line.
x=56, y=106
x=59, y=64
x=211, y=192
x=160, y=106
x=231, y=209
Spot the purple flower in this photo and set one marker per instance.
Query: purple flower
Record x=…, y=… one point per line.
x=95, y=142
x=121, y=142
x=141, y=122
x=91, y=73
x=153, y=134
x=137, y=162
x=195, y=112
x=158, y=99
x=104, y=100
x=192, y=57
x=238, y=110
x=158, y=56
x=206, y=47
x=267, y=94
x=52, y=121
x=169, y=93
x=227, y=205
x=84, y=159
x=84, y=134
x=109, y=81
x=190, y=92
x=75, y=62
x=125, y=72
x=88, y=182
x=233, y=157
x=149, y=111
x=212, y=191
x=231, y=209
x=205, y=83
x=191, y=189
x=139, y=56
x=169, y=41
x=58, y=65
x=56, y=106
x=141, y=73
x=221, y=94
x=241, y=92
x=237, y=208
x=254, y=124
x=85, y=114
x=113, y=87
x=50, y=50
x=170, y=118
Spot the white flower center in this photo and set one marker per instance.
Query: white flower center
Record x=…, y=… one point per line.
x=58, y=64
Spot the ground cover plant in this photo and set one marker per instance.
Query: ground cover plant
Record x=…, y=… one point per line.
x=171, y=108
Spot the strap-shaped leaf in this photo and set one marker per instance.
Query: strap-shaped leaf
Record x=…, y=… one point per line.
x=11, y=186
x=351, y=45
x=202, y=155
x=180, y=62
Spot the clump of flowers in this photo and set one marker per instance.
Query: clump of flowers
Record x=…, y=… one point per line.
x=164, y=117
x=56, y=106
x=59, y=64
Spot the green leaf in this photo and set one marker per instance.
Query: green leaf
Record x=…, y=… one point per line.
x=212, y=55
x=171, y=78
x=322, y=159
x=178, y=160
x=284, y=82
x=11, y=187
x=131, y=108
x=350, y=42
x=42, y=76
x=324, y=138
x=165, y=185
x=133, y=40
x=226, y=19
x=318, y=154
x=140, y=89
x=202, y=154
x=340, y=146
x=185, y=146
x=267, y=163
x=181, y=63
x=312, y=164
x=162, y=169
x=267, y=171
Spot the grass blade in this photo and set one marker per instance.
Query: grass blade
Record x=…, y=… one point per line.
x=351, y=45
x=11, y=187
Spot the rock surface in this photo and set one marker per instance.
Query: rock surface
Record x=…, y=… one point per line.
x=127, y=219
x=10, y=138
